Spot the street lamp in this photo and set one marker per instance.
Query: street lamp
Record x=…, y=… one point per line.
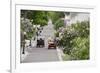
x=23, y=52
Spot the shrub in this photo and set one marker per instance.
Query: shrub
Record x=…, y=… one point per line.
x=57, y=34
x=75, y=40
x=80, y=49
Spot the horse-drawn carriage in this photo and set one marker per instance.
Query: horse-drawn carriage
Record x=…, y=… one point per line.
x=40, y=42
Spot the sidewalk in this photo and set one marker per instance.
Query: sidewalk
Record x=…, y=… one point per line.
x=60, y=53
x=23, y=56
x=27, y=47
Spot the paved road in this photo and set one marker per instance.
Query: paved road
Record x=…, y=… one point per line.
x=43, y=54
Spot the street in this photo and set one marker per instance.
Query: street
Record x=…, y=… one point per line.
x=43, y=54
x=54, y=36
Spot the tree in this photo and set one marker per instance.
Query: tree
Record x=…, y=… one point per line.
x=80, y=49
x=37, y=17
x=40, y=17
x=27, y=14
x=27, y=27
x=30, y=34
x=66, y=41
x=75, y=41
x=30, y=17
x=55, y=16
x=59, y=23
x=81, y=43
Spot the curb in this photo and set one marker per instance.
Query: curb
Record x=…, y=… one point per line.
x=59, y=52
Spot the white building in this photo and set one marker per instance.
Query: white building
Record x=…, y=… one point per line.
x=75, y=17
